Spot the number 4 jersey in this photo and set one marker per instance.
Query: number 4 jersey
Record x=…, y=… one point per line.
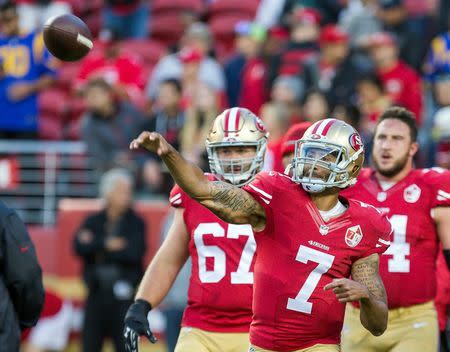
x=221, y=283
x=408, y=267
x=298, y=254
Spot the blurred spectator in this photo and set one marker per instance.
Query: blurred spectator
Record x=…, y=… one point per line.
x=302, y=45
x=34, y=13
x=394, y=16
x=168, y=120
x=122, y=70
x=359, y=20
x=197, y=37
x=130, y=18
x=401, y=82
x=348, y=113
x=315, y=106
x=111, y=245
x=27, y=68
x=52, y=330
x=276, y=118
x=441, y=89
x=199, y=118
x=276, y=41
x=108, y=126
x=372, y=101
x=293, y=134
x=246, y=71
x=335, y=72
x=289, y=91
x=441, y=134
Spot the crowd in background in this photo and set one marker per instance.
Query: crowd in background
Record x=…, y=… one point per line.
x=295, y=60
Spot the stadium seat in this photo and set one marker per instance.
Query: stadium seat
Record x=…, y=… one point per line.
x=76, y=107
x=78, y=6
x=165, y=6
x=166, y=28
x=73, y=130
x=225, y=7
x=223, y=26
x=50, y=127
x=94, y=22
x=53, y=101
x=149, y=50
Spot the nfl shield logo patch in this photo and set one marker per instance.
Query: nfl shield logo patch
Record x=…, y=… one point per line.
x=353, y=236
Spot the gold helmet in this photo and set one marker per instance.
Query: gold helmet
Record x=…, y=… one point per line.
x=330, y=154
x=237, y=127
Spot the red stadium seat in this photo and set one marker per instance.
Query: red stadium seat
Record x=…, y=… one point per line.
x=150, y=51
x=224, y=7
x=94, y=22
x=73, y=130
x=165, y=6
x=76, y=108
x=166, y=28
x=79, y=7
x=223, y=26
x=53, y=101
x=50, y=127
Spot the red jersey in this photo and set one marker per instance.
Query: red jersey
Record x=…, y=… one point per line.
x=253, y=87
x=298, y=254
x=404, y=87
x=221, y=283
x=408, y=267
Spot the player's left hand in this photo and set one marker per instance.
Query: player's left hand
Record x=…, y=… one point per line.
x=136, y=324
x=347, y=290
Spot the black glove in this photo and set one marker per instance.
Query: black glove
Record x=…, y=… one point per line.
x=136, y=324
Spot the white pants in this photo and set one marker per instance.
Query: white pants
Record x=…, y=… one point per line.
x=34, y=16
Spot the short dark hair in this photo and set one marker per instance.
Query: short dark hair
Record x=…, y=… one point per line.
x=7, y=5
x=371, y=78
x=401, y=114
x=175, y=83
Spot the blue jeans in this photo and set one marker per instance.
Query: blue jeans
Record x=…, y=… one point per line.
x=132, y=25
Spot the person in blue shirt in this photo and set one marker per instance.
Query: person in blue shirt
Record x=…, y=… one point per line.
x=27, y=68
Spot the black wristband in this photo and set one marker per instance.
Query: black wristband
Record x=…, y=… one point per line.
x=144, y=304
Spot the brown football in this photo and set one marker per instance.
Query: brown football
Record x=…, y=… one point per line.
x=67, y=37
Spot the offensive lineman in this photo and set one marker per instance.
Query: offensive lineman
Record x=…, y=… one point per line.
x=219, y=308
x=309, y=239
x=417, y=202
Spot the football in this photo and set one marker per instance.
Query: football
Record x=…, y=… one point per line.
x=67, y=37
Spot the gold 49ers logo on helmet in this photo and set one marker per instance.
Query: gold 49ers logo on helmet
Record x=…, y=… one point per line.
x=236, y=127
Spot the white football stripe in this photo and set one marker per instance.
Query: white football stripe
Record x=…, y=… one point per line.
x=260, y=191
x=443, y=194
x=85, y=41
x=233, y=120
x=387, y=243
x=175, y=197
x=322, y=127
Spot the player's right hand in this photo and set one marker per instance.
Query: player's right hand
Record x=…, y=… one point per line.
x=151, y=141
x=136, y=324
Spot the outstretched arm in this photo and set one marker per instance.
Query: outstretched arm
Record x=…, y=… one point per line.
x=228, y=202
x=367, y=288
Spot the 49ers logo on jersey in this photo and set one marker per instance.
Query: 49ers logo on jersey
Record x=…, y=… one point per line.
x=353, y=236
x=412, y=193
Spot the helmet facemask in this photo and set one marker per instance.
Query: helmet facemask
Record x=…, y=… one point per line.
x=240, y=171
x=319, y=165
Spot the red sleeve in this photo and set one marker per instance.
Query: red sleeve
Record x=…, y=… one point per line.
x=177, y=197
x=439, y=180
x=383, y=231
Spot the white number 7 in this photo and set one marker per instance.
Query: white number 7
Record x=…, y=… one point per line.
x=300, y=302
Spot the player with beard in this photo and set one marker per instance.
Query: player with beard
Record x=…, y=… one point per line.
x=219, y=309
x=309, y=239
x=417, y=202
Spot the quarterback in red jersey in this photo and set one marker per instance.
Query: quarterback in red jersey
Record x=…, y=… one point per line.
x=417, y=202
x=219, y=309
x=309, y=239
